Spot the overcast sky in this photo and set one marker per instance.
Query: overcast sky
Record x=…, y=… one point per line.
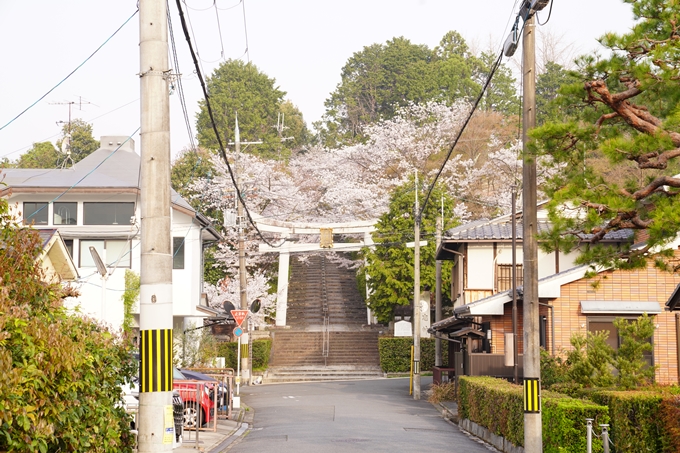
x=303, y=44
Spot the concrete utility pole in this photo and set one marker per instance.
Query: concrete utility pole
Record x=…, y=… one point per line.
x=243, y=283
x=156, y=426
x=416, y=300
x=515, y=351
x=532, y=366
x=438, y=294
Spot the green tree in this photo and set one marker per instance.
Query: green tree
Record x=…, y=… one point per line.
x=627, y=113
x=130, y=298
x=629, y=359
x=382, y=78
x=590, y=362
x=61, y=374
x=41, y=155
x=548, y=84
x=375, y=82
x=77, y=139
x=238, y=87
x=389, y=268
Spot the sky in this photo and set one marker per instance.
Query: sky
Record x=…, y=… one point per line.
x=302, y=44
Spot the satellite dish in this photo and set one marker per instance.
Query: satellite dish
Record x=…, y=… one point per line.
x=255, y=306
x=228, y=307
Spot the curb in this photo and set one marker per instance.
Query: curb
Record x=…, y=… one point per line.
x=245, y=419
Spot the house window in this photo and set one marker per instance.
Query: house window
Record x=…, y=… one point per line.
x=614, y=340
x=504, y=276
x=35, y=212
x=69, y=246
x=65, y=213
x=178, y=253
x=114, y=253
x=108, y=213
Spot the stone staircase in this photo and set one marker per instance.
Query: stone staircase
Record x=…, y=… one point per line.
x=326, y=338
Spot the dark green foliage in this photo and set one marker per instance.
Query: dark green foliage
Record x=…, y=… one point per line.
x=670, y=417
x=261, y=351
x=41, y=155
x=130, y=297
x=498, y=405
x=614, y=141
x=548, y=85
x=390, y=263
x=381, y=78
x=395, y=354
x=240, y=87
x=590, y=362
x=61, y=378
x=629, y=358
x=46, y=155
x=564, y=425
x=636, y=422
x=553, y=370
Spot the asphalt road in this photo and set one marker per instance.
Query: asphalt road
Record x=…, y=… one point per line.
x=349, y=416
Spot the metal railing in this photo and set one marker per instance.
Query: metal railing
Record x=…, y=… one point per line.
x=604, y=436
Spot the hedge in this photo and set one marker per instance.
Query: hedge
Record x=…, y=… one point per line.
x=636, y=421
x=395, y=354
x=261, y=351
x=498, y=405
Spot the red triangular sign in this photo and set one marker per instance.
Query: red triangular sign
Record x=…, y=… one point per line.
x=239, y=316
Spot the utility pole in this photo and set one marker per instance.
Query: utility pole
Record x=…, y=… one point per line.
x=416, y=300
x=532, y=365
x=438, y=294
x=515, y=351
x=243, y=283
x=156, y=427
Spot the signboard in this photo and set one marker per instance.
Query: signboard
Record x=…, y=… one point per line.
x=239, y=316
x=238, y=332
x=402, y=329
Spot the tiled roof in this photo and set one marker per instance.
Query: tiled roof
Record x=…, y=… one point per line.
x=484, y=230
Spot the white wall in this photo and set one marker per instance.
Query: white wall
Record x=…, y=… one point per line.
x=480, y=266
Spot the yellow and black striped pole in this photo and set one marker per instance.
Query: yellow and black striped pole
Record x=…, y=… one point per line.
x=156, y=351
x=532, y=396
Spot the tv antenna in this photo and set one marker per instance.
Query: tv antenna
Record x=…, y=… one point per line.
x=65, y=147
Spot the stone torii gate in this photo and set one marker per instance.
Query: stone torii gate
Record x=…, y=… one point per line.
x=286, y=229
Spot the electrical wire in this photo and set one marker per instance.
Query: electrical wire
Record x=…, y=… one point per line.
x=219, y=27
x=549, y=14
x=214, y=125
x=460, y=132
x=245, y=29
x=72, y=72
x=230, y=7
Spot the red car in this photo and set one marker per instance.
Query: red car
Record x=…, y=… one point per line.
x=205, y=408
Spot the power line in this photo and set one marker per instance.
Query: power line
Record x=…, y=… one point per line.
x=214, y=125
x=72, y=72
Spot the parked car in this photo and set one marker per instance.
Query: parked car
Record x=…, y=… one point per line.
x=223, y=393
x=195, y=408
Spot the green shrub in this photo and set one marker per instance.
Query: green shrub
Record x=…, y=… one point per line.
x=636, y=421
x=629, y=359
x=61, y=375
x=261, y=351
x=498, y=405
x=395, y=354
x=564, y=426
x=670, y=418
x=553, y=369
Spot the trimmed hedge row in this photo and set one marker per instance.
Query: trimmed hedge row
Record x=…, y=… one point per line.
x=261, y=351
x=498, y=405
x=637, y=423
x=395, y=354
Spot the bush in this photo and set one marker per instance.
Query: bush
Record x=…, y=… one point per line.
x=395, y=354
x=498, y=405
x=636, y=421
x=443, y=392
x=261, y=351
x=61, y=377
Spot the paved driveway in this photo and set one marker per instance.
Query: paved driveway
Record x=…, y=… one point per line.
x=351, y=416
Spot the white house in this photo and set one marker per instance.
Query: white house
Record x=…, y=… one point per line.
x=482, y=252
x=94, y=205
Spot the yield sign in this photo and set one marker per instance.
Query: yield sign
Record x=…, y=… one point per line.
x=239, y=316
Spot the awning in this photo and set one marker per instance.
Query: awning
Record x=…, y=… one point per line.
x=619, y=307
